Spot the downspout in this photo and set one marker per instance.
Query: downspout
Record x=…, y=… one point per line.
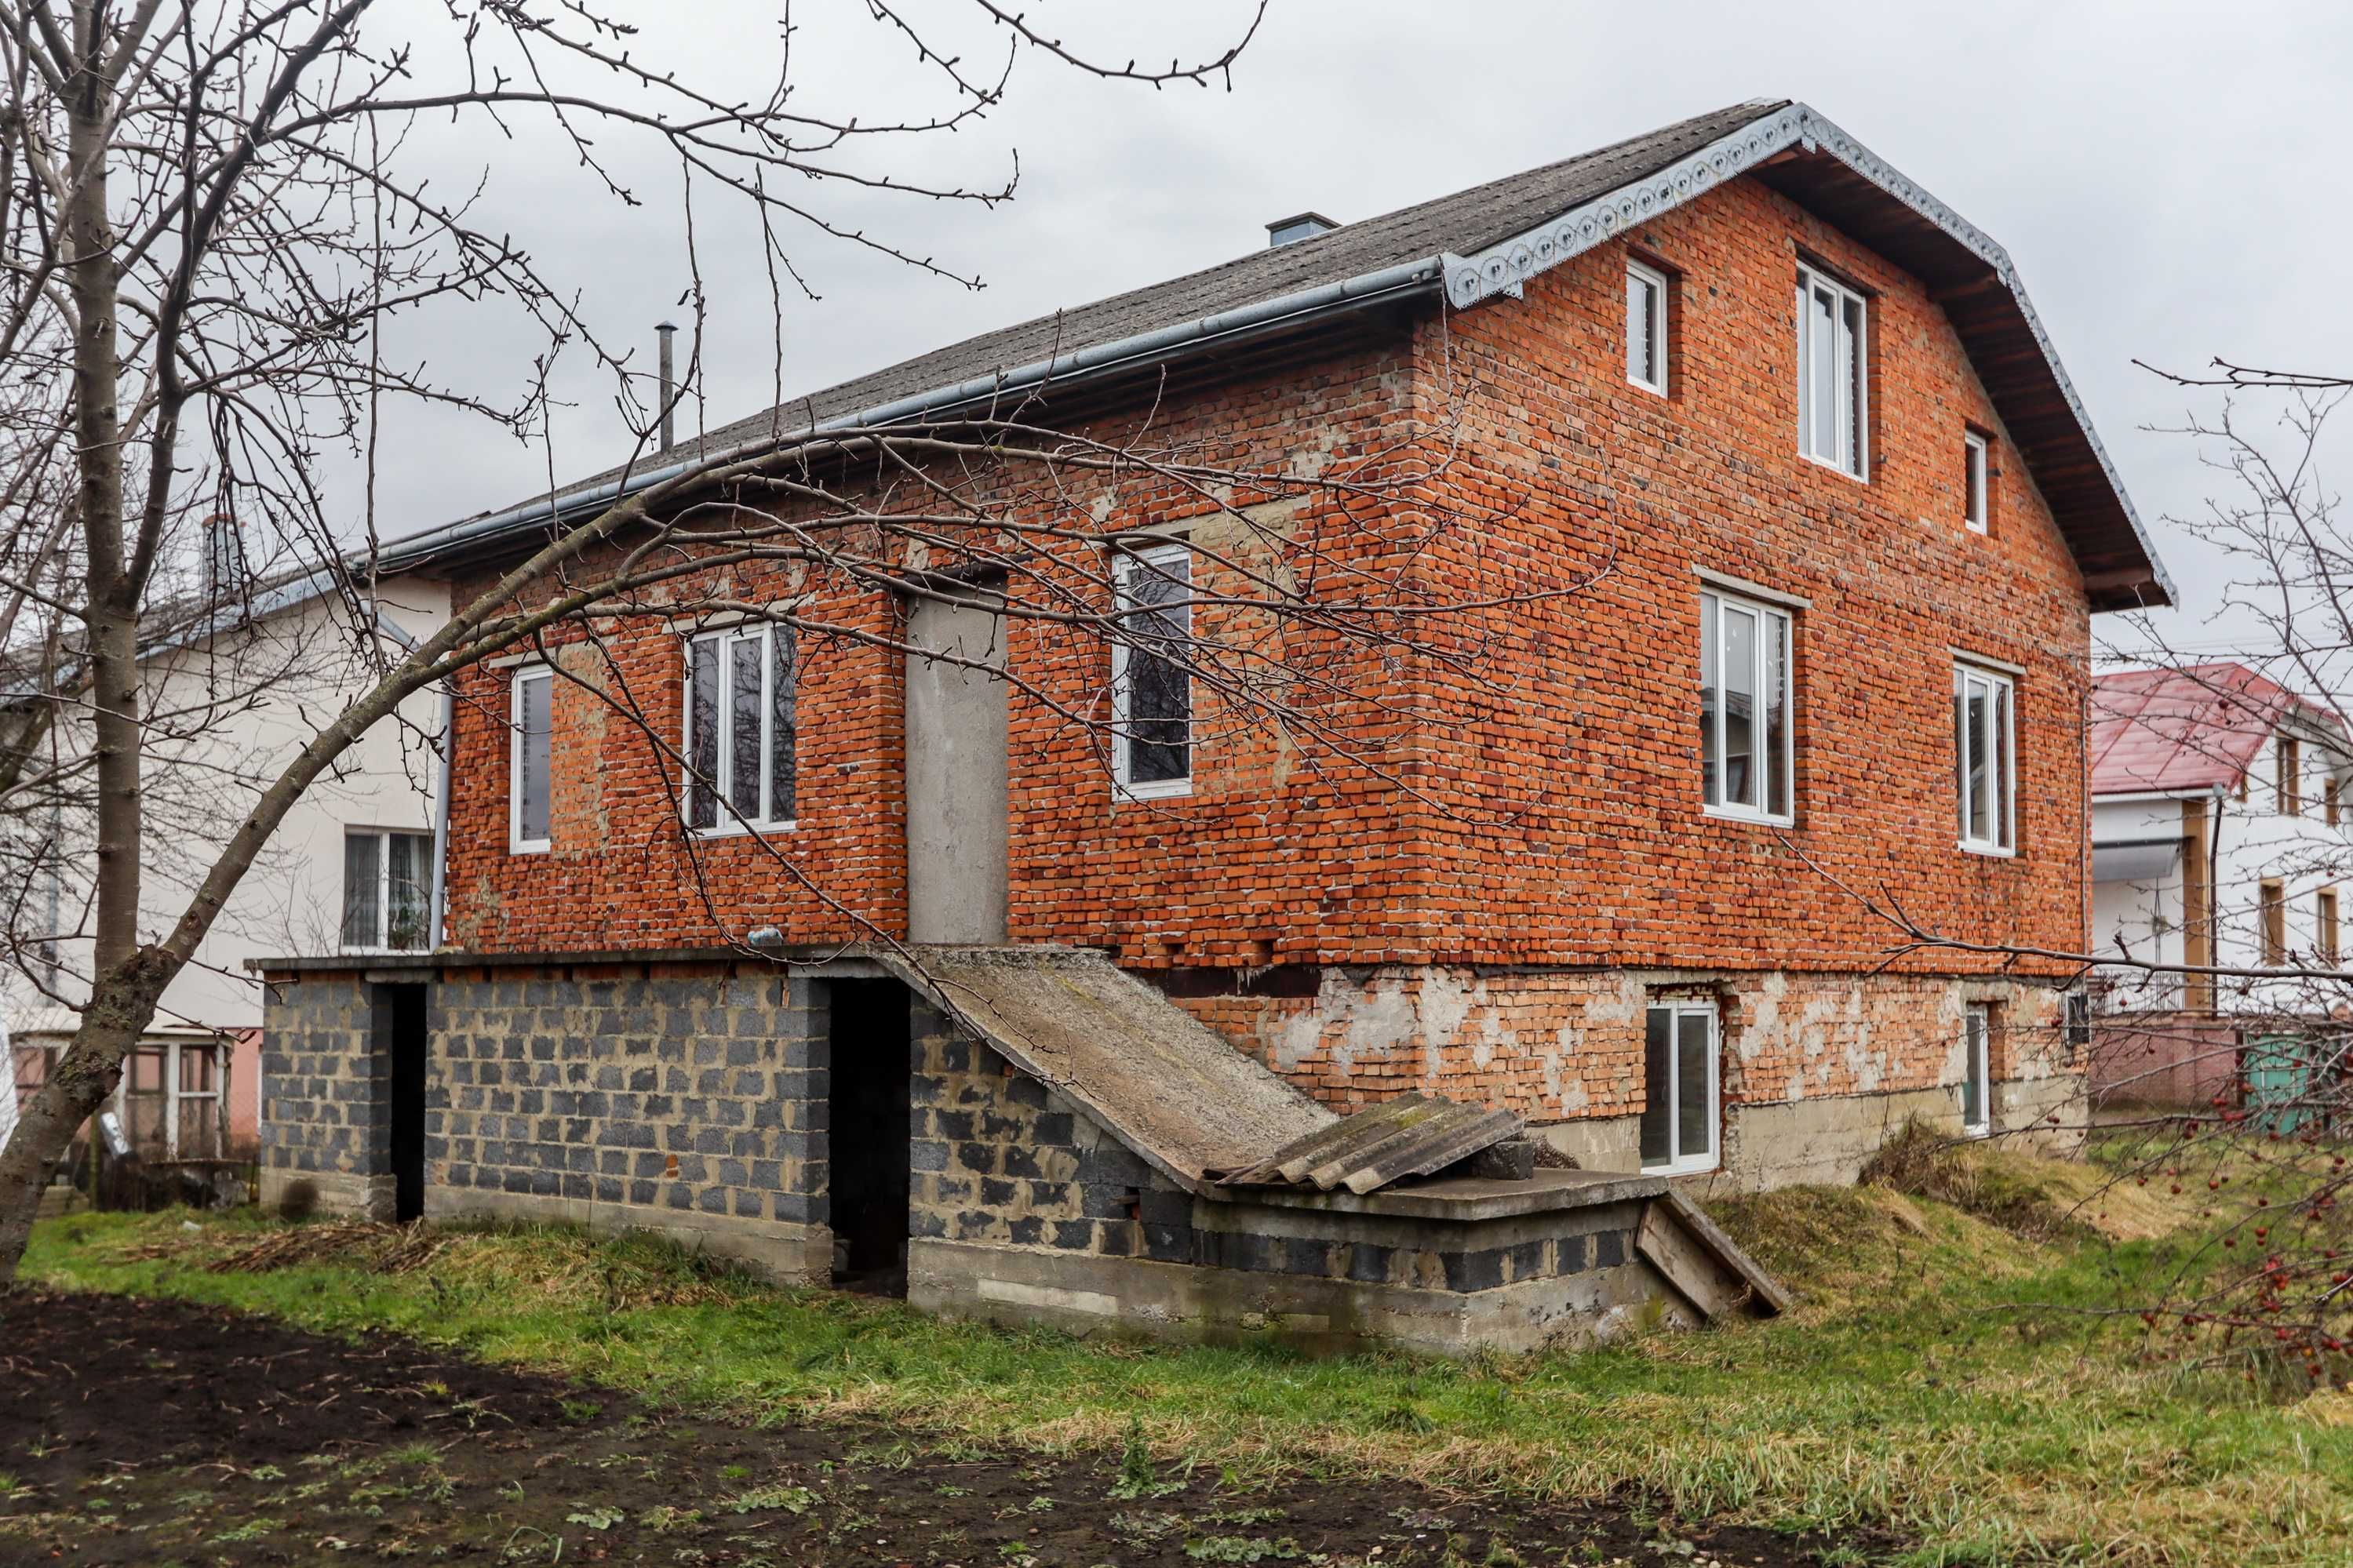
x=449, y=744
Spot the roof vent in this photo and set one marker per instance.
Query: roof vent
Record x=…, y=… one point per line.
x=1303, y=226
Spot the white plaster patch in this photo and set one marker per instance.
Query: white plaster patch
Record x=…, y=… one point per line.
x=1020, y=1293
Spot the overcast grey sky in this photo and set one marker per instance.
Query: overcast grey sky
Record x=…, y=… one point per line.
x=2164, y=174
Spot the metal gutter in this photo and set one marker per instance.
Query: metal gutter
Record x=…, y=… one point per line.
x=1404, y=280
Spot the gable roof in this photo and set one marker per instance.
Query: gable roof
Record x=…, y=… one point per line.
x=2199, y=727
x=1467, y=248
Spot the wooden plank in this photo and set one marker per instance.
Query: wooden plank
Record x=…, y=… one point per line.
x=1770, y=1292
x=1670, y=1248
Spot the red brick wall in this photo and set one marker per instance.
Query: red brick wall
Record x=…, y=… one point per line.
x=1598, y=850
x=1566, y=826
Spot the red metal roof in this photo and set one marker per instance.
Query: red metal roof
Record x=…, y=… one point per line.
x=2188, y=729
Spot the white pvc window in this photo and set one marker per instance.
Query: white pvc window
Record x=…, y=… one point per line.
x=1973, y=481
x=1679, y=1093
x=1747, y=746
x=1977, y=1070
x=1646, y=327
x=1151, y=676
x=1833, y=396
x=741, y=729
x=530, y=759
x=387, y=890
x=1984, y=760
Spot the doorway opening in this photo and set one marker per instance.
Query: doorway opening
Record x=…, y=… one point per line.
x=400, y=1035
x=867, y=1125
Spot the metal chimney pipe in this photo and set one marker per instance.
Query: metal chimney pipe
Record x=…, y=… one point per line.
x=668, y=385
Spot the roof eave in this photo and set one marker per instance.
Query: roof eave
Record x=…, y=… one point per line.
x=1506, y=266
x=1224, y=329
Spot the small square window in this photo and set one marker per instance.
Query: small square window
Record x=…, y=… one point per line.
x=1646, y=327
x=1974, y=503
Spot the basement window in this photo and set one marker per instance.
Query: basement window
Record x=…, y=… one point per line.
x=1151, y=681
x=741, y=729
x=387, y=890
x=1833, y=394
x=529, y=758
x=1646, y=327
x=1984, y=741
x=1974, y=505
x=1678, y=1090
x=1977, y=1070
x=1745, y=744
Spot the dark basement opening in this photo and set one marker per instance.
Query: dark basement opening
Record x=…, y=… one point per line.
x=400, y=1022
x=868, y=1135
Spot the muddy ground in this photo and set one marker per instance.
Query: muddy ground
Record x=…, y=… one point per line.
x=159, y=1433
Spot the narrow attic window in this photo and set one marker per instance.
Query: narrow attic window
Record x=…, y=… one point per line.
x=1646, y=327
x=1833, y=394
x=1973, y=482
x=2288, y=758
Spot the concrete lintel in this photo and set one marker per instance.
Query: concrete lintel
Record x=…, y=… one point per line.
x=831, y=961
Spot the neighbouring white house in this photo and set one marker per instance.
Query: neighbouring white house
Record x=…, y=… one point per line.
x=231, y=695
x=2218, y=841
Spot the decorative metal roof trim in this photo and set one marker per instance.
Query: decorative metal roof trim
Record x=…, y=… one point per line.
x=1505, y=267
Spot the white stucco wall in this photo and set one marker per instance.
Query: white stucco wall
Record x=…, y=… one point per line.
x=2252, y=842
x=255, y=697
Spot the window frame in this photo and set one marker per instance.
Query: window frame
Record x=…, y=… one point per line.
x=727, y=821
x=523, y=674
x=2271, y=923
x=2002, y=683
x=1766, y=615
x=1977, y=1067
x=384, y=835
x=2287, y=769
x=1680, y=1164
x=2327, y=931
x=1855, y=396
x=1658, y=285
x=1131, y=561
x=1976, y=492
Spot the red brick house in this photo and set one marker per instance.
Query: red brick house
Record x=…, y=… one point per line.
x=1846, y=523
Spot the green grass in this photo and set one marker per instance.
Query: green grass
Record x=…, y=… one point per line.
x=1909, y=1393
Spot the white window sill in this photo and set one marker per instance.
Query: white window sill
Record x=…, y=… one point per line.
x=742, y=830
x=1753, y=818
x=1658, y=391
x=529, y=845
x=1979, y=529
x=1159, y=789
x=1844, y=473
x=1686, y=1167
x=1984, y=1130
x=1986, y=851
x=381, y=952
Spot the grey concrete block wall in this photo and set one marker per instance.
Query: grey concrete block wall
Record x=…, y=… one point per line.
x=700, y=1094
x=999, y=1157
x=324, y=1087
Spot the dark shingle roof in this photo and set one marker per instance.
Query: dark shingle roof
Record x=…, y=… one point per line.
x=1464, y=221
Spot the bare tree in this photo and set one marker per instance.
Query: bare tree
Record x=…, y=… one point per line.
x=2222, y=1053
x=210, y=218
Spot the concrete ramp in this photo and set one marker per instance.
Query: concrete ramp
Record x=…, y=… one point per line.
x=1170, y=1088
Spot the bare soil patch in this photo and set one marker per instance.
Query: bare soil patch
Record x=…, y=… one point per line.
x=150, y=1432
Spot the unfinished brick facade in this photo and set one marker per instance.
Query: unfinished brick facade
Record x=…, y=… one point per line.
x=1495, y=890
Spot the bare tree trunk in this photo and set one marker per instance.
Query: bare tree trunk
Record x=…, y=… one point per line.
x=91, y=1066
